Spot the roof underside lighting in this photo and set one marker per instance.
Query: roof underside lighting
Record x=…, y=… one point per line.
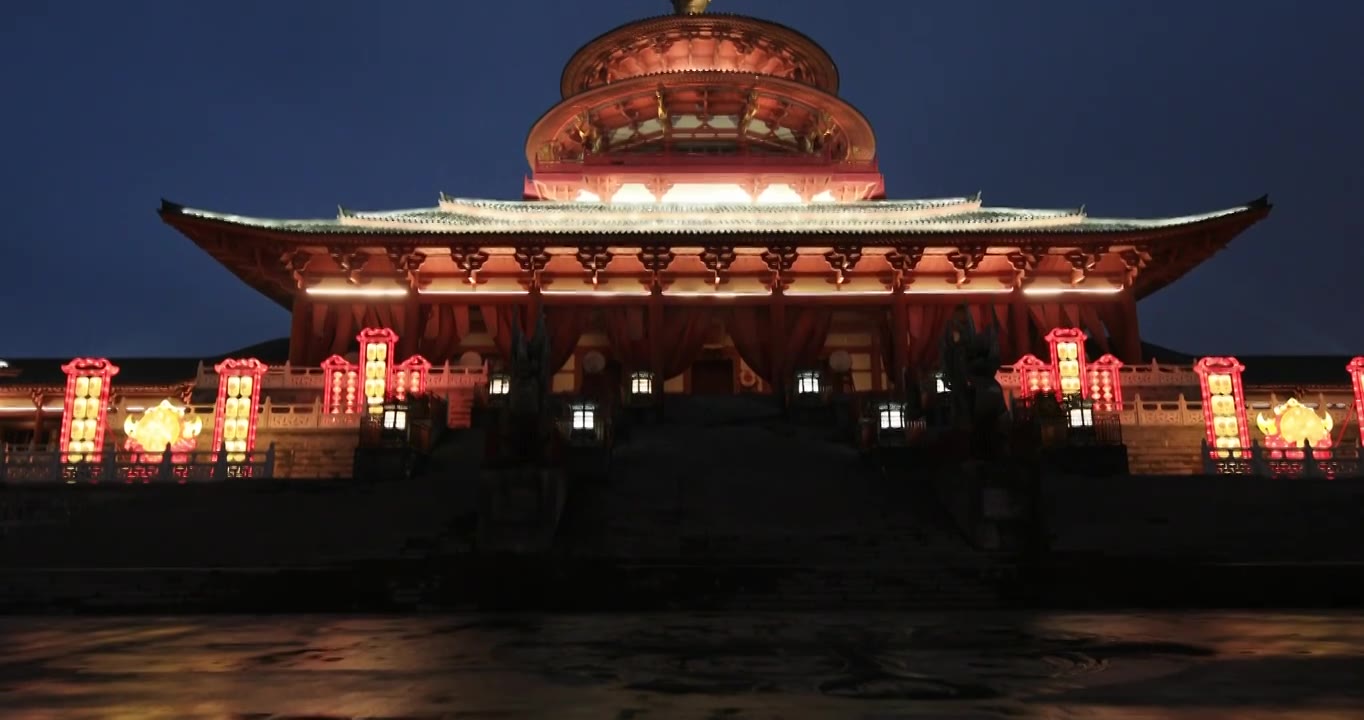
x=705, y=194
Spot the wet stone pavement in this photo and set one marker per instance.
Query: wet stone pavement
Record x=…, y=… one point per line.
x=1207, y=666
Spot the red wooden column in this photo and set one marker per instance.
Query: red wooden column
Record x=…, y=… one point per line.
x=1020, y=326
x=300, y=331
x=780, y=381
x=654, y=311
x=1128, y=340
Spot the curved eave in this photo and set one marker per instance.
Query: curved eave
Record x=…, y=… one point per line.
x=209, y=236
x=663, y=22
x=1195, y=244
x=1175, y=249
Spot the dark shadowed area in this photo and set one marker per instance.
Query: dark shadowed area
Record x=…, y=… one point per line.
x=1194, y=666
x=290, y=109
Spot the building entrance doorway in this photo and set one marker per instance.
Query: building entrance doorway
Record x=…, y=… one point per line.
x=713, y=374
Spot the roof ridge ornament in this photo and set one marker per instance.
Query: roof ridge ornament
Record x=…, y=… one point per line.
x=690, y=7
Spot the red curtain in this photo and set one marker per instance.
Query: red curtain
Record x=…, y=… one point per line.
x=627, y=333
x=750, y=329
x=500, y=319
x=926, y=326
x=442, y=329
x=565, y=326
x=685, y=330
x=801, y=343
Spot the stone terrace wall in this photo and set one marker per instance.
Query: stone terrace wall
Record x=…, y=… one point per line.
x=242, y=523
x=1229, y=518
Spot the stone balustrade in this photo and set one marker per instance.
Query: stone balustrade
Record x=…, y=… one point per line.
x=295, y=377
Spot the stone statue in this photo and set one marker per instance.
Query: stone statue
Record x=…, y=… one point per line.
x=690, y=7
x=526, y=424
x=970, y=360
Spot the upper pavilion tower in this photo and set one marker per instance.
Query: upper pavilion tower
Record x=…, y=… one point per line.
x=702, y=107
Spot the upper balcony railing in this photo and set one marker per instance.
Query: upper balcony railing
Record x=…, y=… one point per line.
x=312, y=377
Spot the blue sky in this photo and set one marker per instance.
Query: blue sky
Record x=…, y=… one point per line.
x=288, y=109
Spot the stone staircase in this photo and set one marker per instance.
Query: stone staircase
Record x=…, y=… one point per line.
x=727, y=483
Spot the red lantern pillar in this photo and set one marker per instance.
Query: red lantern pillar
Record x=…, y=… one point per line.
x=234, y=415
x=85, y=408
x=1224, y=404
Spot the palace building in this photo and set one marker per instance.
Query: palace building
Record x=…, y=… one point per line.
x=702, y=214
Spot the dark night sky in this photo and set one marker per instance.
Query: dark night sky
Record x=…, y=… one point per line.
x=288, y=109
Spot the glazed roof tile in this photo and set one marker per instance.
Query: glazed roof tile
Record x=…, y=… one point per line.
x=456, y=216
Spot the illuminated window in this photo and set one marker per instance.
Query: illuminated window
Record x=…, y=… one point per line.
x=807, y=382
x=891, y=416
x=1080, y=414
x=641, y=383
x=940, y=385
x=584, y=416
x=395, y=417
x=499, y=385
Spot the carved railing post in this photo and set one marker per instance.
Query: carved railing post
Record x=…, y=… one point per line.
x=1258, y=466
x=1311, y=468
x=269, y=469
x=1209, y=464
x=220, y=464
x=166, y=471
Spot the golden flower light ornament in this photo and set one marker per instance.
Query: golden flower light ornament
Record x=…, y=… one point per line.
x=1293, y=423
x=161, y=427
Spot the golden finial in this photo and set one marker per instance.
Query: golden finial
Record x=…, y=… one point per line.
x=690, y=7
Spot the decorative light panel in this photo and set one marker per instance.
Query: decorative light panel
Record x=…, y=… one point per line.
x=234, y=415
x=1105, y=386
x=1356, y=368
x=341, y=393
x=1068, y=360
x=409, y=377
x=1224, y=407
x=1034, y=376
x=86, y=408
x=376, y=352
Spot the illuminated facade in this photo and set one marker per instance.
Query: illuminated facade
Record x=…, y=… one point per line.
x=703, y=214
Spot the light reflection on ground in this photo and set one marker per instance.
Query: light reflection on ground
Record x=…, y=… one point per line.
x=1116, y=666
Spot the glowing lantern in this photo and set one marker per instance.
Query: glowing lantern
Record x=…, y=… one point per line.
x=1034, y=376
x=376, y=351
x=1104, y=386
x=86, y=407
x=1224, y=407
x=1068, y=360
x=234, y=415
x=161, y=429
x=409, y=377
x=340, y=394
x=1292, y=425
x=1356, y=368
